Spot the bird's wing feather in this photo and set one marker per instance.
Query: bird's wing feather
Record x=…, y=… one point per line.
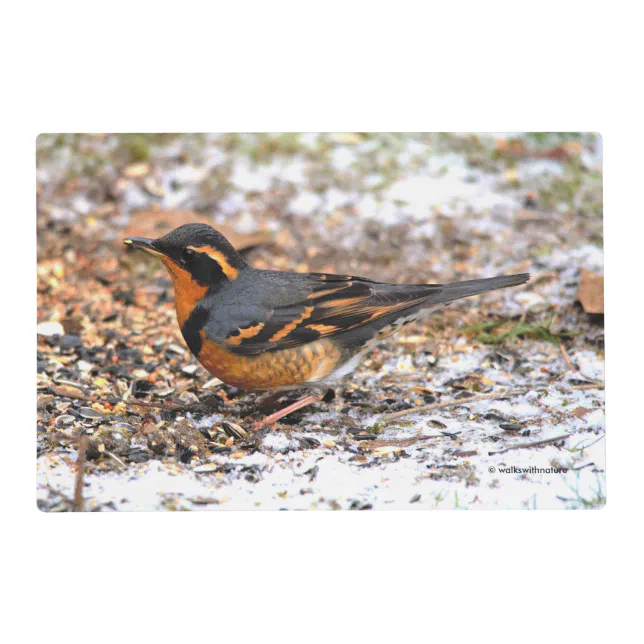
x=332, y=305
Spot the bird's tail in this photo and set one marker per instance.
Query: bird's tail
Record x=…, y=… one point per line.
x=457, y=290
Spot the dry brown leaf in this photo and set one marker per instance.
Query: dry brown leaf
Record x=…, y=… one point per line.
x=591, y=291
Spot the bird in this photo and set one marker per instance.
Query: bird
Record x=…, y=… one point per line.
x=277, y=331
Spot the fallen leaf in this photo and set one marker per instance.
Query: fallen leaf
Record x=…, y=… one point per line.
x=591, y=291
x=580, y=412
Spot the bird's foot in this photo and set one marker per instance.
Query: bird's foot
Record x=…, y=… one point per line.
x=309, y=399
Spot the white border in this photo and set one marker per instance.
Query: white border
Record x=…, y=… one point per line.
x=297, y=66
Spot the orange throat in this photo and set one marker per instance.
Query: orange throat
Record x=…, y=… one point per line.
x=187, y=292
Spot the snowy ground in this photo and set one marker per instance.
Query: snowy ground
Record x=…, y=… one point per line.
x=450, y=463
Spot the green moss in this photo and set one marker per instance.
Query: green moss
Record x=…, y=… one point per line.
x=137, y=147
x=540, y=251
x=535, y=331
x=475, y=329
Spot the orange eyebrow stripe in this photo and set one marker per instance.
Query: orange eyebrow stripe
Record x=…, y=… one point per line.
x=284, y=331
x=249, y=332
x=216, y=255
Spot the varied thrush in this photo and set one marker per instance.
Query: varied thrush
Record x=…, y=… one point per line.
x=271, y=330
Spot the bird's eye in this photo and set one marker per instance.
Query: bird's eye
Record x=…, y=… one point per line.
x=188, y=255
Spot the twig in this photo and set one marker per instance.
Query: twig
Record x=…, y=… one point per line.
x=80, y=470
x=534, y=444
x=581, y=467
x=164, y=406
x=138, y=403
x=566, y=358
x=452, y=403
x=594, y=385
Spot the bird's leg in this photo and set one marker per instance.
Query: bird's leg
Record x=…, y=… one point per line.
x=298, y=404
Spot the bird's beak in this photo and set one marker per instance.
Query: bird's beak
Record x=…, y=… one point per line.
x=144, y=244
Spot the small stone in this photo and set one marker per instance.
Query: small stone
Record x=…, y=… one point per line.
x=49, y=329
x=70, y=342
x=190, y=369
x=492, y=416
x=175, y=348
x=84, y=366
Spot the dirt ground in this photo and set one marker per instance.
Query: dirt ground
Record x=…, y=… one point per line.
x=496, y=402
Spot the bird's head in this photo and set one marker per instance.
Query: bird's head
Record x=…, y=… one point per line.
x=195, y=252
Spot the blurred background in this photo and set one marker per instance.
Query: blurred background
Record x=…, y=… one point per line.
x=405, y=207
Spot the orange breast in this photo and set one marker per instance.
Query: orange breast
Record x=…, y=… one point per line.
x=271, y=370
